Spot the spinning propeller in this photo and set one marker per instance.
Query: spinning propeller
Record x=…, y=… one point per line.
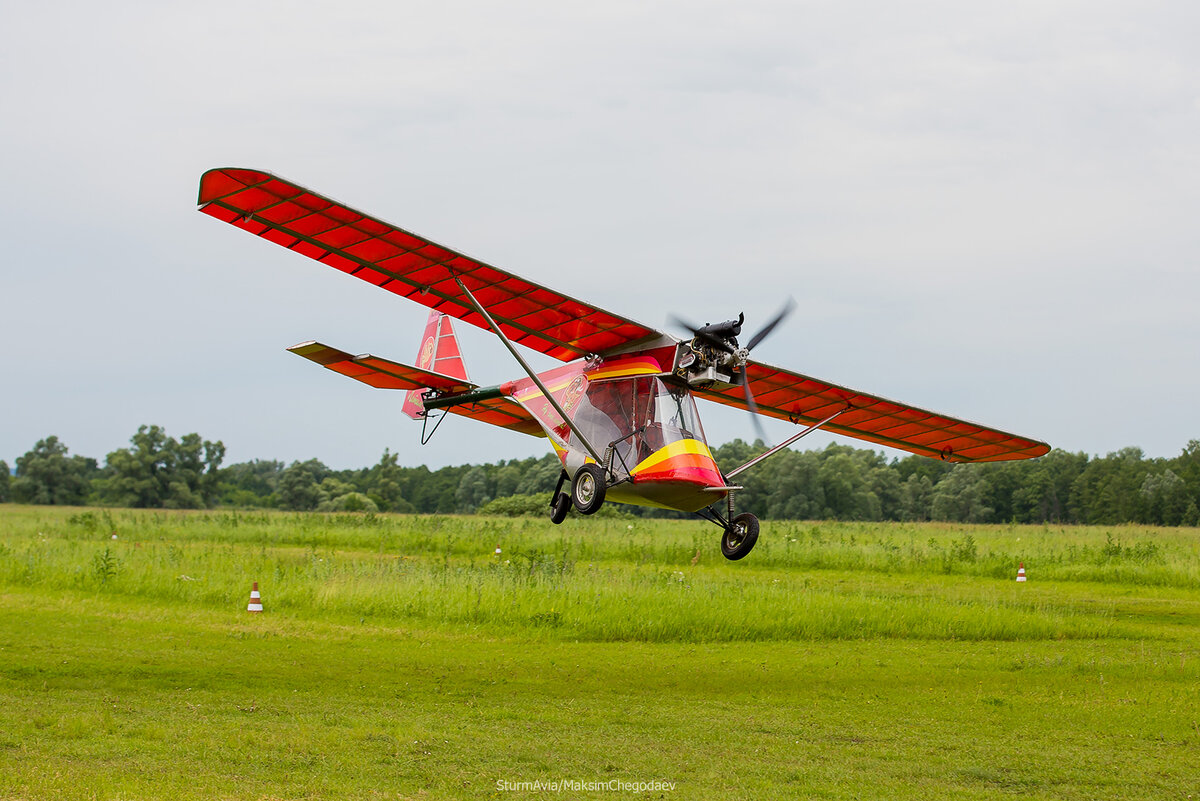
x=722, y=337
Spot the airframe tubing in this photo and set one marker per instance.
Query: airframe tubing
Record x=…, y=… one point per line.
x=785, y=443
x=529, y=372
x=463, y=398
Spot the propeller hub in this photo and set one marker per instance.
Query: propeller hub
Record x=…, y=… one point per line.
x=715, y=359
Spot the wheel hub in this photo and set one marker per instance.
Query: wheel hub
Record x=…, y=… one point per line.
x=587, y=489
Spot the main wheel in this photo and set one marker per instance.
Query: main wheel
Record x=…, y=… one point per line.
x=559, y=508
x=587, y=490
x=740, y=537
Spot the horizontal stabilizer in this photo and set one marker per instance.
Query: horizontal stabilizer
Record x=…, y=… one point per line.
x=503, y=412
x=378, y=372
x=384, y=374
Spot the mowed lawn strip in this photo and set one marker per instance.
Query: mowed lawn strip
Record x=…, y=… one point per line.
x=107, y=697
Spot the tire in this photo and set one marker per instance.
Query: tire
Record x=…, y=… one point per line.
x=559, y=508
x=587, y=490
x=740, y=537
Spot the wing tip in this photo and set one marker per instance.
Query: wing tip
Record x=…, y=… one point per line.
x=319, y=352
x=220, y=181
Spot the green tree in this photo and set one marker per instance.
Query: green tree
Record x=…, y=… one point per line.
x=789, y=489
x=506, y=481
x=839, y=482
x=159, y=472
x=384, y=484
x=843, y=477
x=884, y=483
x=337, y=494
x=1165, y=499
x=916, y=499
x=47, y=475
x=196, y=465
x=1108, y=489
x=959, y=497
x=5, y=477
x=1045, y=487
x=349, y=502
x=416, y=488
x=540, y=475
x=518, y=506
x=473, y=490
x=250, y=483
x=933, y=469
x=299, y=487
x=1034, y=501
x=1187, y=467
x=138, y=476
x=999, y=481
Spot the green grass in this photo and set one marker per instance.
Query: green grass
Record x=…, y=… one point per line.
x=399, y=657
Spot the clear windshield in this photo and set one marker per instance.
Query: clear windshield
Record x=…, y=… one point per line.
x=675, y=410
x=636, y=416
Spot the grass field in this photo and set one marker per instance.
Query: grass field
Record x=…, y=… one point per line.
x=399, y=657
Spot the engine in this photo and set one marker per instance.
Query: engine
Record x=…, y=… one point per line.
x=713, y=358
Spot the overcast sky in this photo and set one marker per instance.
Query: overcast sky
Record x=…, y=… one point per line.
x=989, y=210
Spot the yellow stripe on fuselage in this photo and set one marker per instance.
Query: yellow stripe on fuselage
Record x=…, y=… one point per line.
x=531, y=392
x=678, y=448
x=629, y=368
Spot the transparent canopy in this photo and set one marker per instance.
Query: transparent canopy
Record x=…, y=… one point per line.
x=636, y=416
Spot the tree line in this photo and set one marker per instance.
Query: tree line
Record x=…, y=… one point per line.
x=838, y=482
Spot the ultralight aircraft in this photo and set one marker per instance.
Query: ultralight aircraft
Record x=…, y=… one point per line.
x=621, y=413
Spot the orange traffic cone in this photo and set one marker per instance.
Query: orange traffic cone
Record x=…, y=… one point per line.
x=1021, y=572
x=255, y=604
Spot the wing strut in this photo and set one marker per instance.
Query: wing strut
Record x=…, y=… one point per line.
x=529, y=371
x=785, y=443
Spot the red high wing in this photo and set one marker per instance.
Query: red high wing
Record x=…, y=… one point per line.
x=413, y=266
x=800, y=399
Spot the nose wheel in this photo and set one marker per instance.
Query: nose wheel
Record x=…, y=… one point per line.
x=740, y=535
x=740, y=531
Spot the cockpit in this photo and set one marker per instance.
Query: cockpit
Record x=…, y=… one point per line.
x=636, y=417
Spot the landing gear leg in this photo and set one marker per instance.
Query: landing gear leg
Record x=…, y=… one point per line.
x=740, y=532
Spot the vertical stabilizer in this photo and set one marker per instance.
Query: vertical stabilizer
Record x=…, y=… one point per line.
x=439, y=353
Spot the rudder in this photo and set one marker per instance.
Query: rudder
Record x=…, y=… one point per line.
x=439, y=353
